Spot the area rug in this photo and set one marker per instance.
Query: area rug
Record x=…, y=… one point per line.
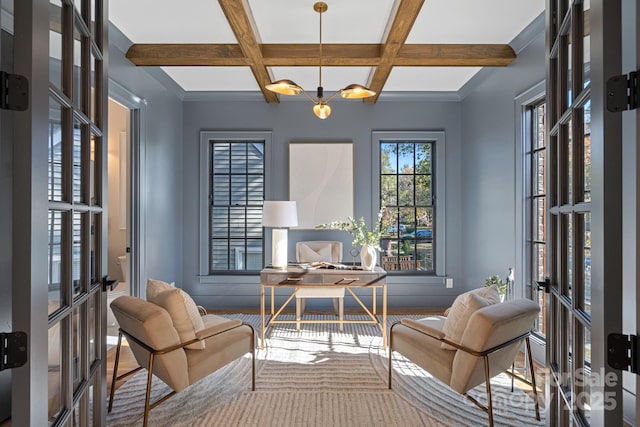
x=319, y=376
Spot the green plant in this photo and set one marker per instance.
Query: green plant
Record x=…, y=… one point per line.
x=496, y=280
x=359, y=230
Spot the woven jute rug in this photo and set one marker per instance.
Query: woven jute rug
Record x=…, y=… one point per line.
x=319, y=376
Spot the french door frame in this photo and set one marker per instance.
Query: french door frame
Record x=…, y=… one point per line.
x=569, y=319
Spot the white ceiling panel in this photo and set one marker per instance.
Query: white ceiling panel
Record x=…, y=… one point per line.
x=345, y=21
x=429, y=79
x=213, y=78
x=464, y=21
x=164, y=21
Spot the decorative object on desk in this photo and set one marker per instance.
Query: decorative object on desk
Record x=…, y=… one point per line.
x=362, y=236
x=354, y=253
x=496, y=280
x=279, y=215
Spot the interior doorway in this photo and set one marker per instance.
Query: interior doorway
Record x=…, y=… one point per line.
x=119, y=196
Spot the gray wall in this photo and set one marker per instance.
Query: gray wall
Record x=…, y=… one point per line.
x=489, y=165
x=294, y=121
x=162, y=122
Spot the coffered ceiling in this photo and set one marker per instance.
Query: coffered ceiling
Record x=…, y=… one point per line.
x=387, y=45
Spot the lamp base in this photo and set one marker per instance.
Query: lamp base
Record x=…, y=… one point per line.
x=279, y=248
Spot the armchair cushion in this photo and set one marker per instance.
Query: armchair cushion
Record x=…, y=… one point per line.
x=462, y=309
x=215, y=324
x=184, y=314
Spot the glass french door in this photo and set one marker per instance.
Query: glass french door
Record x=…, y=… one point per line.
x=583, y=201
x=60, y=171
x=76, y=139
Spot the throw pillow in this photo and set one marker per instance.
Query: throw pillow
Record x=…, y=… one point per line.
x=156, y=287
x=184, y=314
x=461, y=310
x=310, y=255
x=488, y=292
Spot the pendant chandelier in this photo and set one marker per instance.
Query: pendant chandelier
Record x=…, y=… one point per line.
x=320, y=108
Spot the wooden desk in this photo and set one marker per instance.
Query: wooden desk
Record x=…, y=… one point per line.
x=297, y=278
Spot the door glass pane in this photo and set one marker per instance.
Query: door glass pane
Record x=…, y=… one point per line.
x=94, y=231
x=55, y=43
x=55, y=227
x=93, y=170
x=54, y=372
x=77, y=161
x=77, y=65
x=569, y=162
x=570, y=93
x=56, y=151
x=93, y=64
x=93, y=318
x=586, y=5
x=587, y=263
x=77, y=254
x=76, y=364
x=568, y=237
x=585, y=401
x=587, y=151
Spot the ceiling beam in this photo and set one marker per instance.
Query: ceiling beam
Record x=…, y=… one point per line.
x=333, y=55
x=240, y=18
x=406, y=12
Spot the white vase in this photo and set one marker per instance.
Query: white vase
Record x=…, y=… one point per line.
x=368, y=257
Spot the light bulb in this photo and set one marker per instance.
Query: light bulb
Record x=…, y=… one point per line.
x=322, y=110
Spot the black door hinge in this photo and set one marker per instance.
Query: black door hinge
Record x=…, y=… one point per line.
x=108, y=284
x=622, y=92
x=545, y=285
x=13, y=350
x=622, y=352
x=14, y=92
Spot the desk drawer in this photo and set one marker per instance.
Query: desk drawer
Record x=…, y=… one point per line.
x=292, y=279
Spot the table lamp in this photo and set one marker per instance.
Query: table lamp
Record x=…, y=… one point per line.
x=279, y=215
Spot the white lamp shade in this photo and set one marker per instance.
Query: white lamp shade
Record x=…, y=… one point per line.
x=279, y=214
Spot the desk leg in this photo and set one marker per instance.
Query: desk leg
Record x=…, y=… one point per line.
x=384, y=317
x=273, y=300
x=375, y=303
x=262, y=317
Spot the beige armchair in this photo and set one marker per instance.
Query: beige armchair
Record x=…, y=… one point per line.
x=315, y=251
x=489, y=342
x=155, y=340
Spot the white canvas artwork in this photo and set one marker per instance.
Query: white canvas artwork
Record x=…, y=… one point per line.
x=321, y=181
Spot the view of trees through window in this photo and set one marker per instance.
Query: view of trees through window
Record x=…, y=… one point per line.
x=406, y=191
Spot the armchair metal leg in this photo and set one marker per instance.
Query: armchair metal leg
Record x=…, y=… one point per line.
x=533, y=379
x=488, y=385
x=253, y=358
x=147, y=397
x=390, y=352
x=115, y=373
